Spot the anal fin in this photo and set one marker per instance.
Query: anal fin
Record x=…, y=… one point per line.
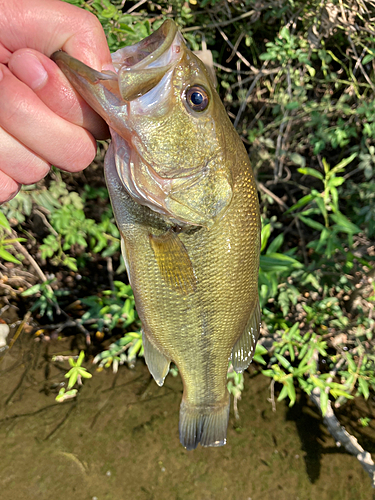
x=173, y=261
x=244, y=348
x=157, y=363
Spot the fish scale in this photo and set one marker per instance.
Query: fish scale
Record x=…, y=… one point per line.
x=185, y=200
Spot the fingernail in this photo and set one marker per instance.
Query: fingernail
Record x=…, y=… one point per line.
x=30, y=70
x=1, y=74
x=11, y=196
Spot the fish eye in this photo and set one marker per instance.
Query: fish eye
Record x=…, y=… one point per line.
x=197, y=98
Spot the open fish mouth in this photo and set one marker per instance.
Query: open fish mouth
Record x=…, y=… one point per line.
x=143, y=85
x=138, y=69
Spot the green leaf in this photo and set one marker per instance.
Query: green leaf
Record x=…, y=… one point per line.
x=311, y=171
x=344, y=224
x=260, y=351
x=368, y=58
x=301, y=203
x=297, y=159
x=32, y=290
x=275, y=244
x=336, y=181
x=291, y=391
x=278, y=262
x=364, y=386
x=72, y=375
x=84, y=373
x=283, y=393
x=8, y=256
x=351, y=363
x=312, y=223
x=265, y=234
x=80, y=359
x=342, y=164
x=4, y=221
x=323, y=402
x=283, y=361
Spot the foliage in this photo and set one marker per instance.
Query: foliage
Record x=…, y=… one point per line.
x=113, y=308
x=297, y=78
x=5, y=242
x=116, y=354
x=75, y=375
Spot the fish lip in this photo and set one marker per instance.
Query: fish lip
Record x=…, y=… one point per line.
x=139, y=55
x=131, y=58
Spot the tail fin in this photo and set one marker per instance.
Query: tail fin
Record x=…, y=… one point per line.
x=204, y=425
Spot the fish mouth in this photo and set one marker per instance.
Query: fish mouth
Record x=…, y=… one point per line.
x=137, y=69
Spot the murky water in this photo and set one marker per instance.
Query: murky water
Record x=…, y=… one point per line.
x=119, y=440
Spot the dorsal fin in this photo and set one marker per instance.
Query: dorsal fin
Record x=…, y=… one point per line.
x=244, y=348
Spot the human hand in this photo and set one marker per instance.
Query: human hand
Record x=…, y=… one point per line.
x=43, y=121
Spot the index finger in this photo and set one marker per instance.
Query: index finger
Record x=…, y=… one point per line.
x=50, y=25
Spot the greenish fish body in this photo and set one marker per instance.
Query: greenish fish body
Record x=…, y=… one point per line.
x=186, y=204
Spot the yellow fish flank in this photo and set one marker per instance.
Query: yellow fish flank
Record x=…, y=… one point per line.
x=186, y=204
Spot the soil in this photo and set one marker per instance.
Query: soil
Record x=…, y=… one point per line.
x=119, y=440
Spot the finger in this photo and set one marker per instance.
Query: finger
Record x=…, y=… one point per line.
x=8, y=188
x=19, y=162
x=26, y=117
x=44, y=77
x=4, y=54
x=50, y=25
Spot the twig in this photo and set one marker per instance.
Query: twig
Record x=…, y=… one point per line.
x=278, y=145
x=47, y=224
x=272, y=398
x=367, y=78
x=35, y=265
x=239, y=55
x=231, y=70
x=217, y=24
x=134, y=7
x=79, y=325
x=342, y=437
x=17, y=334
x=244, y=102
x=236, y=45
x=19, y=330
x=110, y=273
x=278, y=168
x=278, y=200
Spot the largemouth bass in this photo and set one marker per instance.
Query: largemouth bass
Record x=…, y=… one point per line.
x=185, y=200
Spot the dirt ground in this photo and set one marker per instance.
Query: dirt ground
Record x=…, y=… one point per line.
x=119, y=440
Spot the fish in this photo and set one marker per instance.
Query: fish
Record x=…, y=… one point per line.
x=185, y=200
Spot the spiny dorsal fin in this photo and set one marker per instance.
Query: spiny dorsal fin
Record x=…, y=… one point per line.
x=244, y=348
x=157, y=363
x=173, y=261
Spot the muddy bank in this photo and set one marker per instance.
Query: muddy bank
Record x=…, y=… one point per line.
x=119, y=440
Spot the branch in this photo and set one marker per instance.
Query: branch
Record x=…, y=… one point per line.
x=342, y=437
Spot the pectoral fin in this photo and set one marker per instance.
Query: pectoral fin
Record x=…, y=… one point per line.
x=244, y=348
x=173, y=261
x=156, y=362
